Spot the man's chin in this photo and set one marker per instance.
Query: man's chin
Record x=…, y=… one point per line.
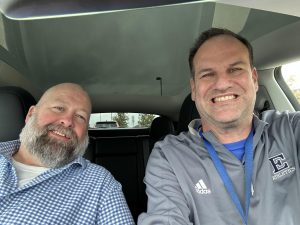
x=227, y=122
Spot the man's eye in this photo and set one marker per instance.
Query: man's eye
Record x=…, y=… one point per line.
x=232, y=70
x=81, y=117
x=59, y=108
x=206, y=75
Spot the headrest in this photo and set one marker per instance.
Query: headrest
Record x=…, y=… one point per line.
x=160, y=127
x=15, y=103
x=188, y=112
x=263, y=101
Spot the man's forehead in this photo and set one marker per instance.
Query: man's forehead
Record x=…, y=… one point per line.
x=73, y=102
x=63, y=98
x=228, y=48
x=67, y=93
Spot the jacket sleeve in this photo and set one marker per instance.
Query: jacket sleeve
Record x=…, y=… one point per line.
x=166, y=202
x=287, y=127
x=296, y=128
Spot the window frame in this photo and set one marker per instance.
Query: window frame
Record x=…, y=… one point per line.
x=286, y=89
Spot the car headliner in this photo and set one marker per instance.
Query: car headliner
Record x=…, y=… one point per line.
x=129, y=53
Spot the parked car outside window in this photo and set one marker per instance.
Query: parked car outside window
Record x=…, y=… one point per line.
x=106, y=124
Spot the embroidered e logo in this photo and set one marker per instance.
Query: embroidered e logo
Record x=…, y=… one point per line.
x=278, y=163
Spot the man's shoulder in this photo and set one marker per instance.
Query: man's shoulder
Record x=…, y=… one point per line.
x=183, y=137
x=172, y=139
x=9, y=147
x=95, y=173
x=273, y=116
x=176, y=146
x=95, y=169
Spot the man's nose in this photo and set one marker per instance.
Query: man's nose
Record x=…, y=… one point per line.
x=223, y=81
x=67, y=121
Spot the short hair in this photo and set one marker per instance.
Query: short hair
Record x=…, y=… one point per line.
x=213, y=32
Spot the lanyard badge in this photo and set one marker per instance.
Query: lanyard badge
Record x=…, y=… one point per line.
x=226, y=179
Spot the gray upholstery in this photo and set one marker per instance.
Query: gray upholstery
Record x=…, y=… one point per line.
x=15, y=103
x=188, y=112
x=160, y=127
x=263, y=101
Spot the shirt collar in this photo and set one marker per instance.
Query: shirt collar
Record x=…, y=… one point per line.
x=196, y=124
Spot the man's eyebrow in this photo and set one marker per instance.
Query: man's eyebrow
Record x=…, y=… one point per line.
x=58, y=101
x=66, y=103
x=240, y=62
x=83, y=111
x=205, y=70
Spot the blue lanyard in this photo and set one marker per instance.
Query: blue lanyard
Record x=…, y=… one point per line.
x=226, y=179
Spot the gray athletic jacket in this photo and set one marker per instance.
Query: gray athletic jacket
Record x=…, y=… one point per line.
x=183, y=186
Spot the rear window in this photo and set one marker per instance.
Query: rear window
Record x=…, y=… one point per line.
x=120, y=120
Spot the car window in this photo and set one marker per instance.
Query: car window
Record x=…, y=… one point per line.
x=291, y=75
x=120, y=120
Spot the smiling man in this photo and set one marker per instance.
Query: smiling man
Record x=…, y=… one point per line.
x=56, y=128
x=224, y=86
x=230, y=167
x=43, y=177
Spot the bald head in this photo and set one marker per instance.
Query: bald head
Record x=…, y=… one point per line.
x=67, y=88
x=69, y=103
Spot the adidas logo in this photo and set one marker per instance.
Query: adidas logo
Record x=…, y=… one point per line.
x=201, y=188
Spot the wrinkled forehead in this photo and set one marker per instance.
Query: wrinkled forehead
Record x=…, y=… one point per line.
x=221, y=43
x=73, y=96
x=223, y=46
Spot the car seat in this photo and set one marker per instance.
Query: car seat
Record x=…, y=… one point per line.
x=160, y=127
x=15, y=103
x=188, y=112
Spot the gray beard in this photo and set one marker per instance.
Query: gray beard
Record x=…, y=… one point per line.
x=51, y=152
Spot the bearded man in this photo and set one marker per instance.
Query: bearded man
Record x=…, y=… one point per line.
x=43, y=177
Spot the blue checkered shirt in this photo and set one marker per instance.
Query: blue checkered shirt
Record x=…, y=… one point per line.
x=78, y=193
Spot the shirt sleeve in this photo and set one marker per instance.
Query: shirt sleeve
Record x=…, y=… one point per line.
x=114, y=208
x=166, y=202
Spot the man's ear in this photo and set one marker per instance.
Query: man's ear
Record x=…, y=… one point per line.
x=30, y=112
x=192, y=84
x=255, y=78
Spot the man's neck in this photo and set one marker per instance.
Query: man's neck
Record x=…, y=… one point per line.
x=23, y=156
x=229, y=134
